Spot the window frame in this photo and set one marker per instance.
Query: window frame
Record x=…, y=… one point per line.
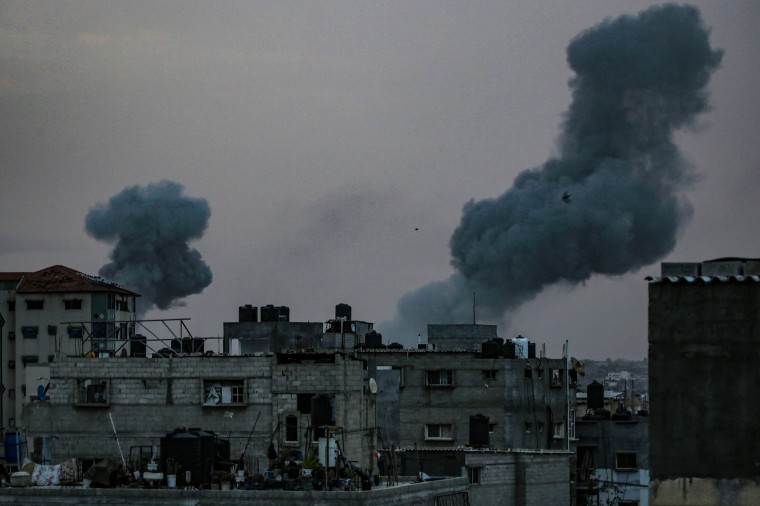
x=72, y=304
x=288, y=418
x=440, y=430
x=83, y=392
x=35, y=304
x=626, y=454
x=439, y=378
x=238, y=392
x=490, y=374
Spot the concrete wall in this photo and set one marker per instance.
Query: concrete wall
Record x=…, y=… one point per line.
x=416, y=494
x=704, y=344
x=150, y=397
x=459, y=337
x=509, y=400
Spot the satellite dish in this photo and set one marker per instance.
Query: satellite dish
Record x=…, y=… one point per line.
x=578, y=366
x=373, y=385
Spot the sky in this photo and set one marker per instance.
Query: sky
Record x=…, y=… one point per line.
x=335, y=144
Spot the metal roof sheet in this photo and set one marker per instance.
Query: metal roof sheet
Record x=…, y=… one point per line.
x=59, y=278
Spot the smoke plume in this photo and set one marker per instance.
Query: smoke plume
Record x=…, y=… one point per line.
x=637, y=79
x=151, y=227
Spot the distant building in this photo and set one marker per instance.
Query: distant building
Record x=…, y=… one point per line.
x=704, y=343
x=53, y=312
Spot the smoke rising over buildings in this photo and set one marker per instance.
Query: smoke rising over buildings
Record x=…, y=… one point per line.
x=150, y=227
x=637, y=79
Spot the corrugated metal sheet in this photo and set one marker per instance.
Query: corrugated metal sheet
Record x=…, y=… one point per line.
x=59, y=278
x=702, y=279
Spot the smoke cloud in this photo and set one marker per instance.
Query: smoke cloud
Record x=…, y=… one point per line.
x=151, y=227
x=637, y=79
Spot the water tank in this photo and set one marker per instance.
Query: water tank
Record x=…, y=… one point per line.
x=479, y=431
x=268, y=313
x=595, y=393
x=138, y=345
x=490, y=349
x=373, y=339
x=283, y=314
x=531, y=350
x=14, y=448
x=343, y=310
x=395, y=346
x=521, y=346
x=208, y=451
x=248, y=313
x=322, y=410
x=509, y=350
x=186, y=450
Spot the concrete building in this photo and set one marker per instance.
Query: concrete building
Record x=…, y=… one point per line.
x=50, y=313
x=612, y=465
x=704, y=331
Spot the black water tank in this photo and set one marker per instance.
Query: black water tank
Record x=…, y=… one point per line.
x=595, y=395
x=184, y=449
x=373, y=339
x=343, y=310
x=479, y=431
x=509, y=350
x=268, y=313
x=531, y=350
x=395, y=346
x=322, y=410
x=490, y=349
x=138, y=345
x=208, y=452
x=248, y=313
x=283, y=314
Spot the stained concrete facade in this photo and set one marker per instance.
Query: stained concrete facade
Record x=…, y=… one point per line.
x=612, y=461
x=704, y=344
x=149, y=397
x=525, y=400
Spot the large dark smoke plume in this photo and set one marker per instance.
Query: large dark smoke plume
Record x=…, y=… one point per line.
x=151, y=227
x=637, y=80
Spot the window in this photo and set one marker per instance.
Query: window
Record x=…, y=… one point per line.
x=303, y=403
x=93, y=392
x=491, y=428
x=11, y=423
x=52, y=330
x=528, y=373
x=224, y=392
x=72, y=303
x=74, y=332
x=11, y=393
x=556, y=378
x=489, y=374
x=559, y=429
x=11, y=364
x=35, y=304
x=625, y=460
x=473, y=473
x=438, y=431
x=30, y=332
x=11, y=305
x=528, y=427
x=29, y=359
x=540, y=427
x=11, y=335
x=440, y=378
x=291, y=429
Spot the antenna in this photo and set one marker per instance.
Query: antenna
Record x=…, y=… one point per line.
x=473, y=307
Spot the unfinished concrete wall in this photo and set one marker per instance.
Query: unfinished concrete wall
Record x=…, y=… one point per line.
x=459, y=337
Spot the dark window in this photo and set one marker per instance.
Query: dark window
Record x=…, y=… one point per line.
x=439, y=378
x=303, y=403
x=92, y=391
x=528, y=373
x=72, y=303
x=11, y=335
x=30, y=332
x=75, y=332
x=489, y=374
x=291, y=428
x=625, y=460
x=474, y=474
x=11, y=364
x=11, y=305
x=29, y=359
x=35, y=304
x=11, y=393
x=52, y=330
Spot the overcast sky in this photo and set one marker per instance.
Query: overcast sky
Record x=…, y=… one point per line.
x=336, y=144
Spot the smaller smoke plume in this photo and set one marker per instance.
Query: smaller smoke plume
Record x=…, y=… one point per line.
x=150, y=227
x=612, y=201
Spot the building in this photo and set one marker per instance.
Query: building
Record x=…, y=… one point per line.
x=704, y=344
x=50, y=313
